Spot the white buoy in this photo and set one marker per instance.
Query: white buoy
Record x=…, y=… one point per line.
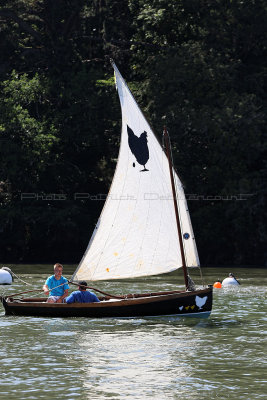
x=5, y=276
x=230, y=281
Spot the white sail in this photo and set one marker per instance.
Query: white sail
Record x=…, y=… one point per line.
x=136, y=234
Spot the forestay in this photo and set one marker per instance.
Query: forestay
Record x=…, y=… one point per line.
x=136, y=234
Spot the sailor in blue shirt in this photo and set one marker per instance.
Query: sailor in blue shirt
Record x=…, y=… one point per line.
x=81, y=295
x=57, y=285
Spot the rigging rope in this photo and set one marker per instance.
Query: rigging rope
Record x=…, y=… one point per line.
x=97, y=290
x=35, y=290
x=16, y=276
x=73, y=283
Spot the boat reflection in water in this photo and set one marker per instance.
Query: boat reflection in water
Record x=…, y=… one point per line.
x=137, y=356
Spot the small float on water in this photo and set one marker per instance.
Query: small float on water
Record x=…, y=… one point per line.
x=6, y=277
x=230, y=281
x=217, y=284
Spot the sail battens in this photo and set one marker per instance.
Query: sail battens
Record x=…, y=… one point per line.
x=136, y=234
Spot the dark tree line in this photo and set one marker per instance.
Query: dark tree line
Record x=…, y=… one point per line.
x=197, y=66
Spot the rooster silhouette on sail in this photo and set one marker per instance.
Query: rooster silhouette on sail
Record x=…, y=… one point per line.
x=139, y=148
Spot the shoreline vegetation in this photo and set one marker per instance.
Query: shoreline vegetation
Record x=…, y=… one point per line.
x=197, y=67
x=28, y=268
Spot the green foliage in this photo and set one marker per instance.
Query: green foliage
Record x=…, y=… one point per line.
x=26, y=136
x=197, y=66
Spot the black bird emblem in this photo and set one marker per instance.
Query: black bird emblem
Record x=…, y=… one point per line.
x=139, y=148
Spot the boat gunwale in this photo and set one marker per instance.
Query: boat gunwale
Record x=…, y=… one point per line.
x=106, y=303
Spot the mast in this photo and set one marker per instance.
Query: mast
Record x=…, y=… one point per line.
x=168, y=153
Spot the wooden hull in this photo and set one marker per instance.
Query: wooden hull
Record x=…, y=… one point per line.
x=197, y=303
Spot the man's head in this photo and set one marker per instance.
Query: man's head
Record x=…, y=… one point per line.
x=82, y=285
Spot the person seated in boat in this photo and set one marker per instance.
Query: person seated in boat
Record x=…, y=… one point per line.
x=82, y=295
x=57, y=285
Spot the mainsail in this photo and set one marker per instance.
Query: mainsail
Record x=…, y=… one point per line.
x=136, y=234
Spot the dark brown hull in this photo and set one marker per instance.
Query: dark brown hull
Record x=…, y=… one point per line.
x=197, y=303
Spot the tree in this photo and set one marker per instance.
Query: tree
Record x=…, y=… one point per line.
x=197, y=66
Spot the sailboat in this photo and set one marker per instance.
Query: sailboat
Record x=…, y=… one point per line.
x=144, y=229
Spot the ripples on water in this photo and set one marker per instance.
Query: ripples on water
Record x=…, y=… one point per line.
x=223, y=357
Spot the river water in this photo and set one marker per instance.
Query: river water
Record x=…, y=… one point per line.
x=222, y=357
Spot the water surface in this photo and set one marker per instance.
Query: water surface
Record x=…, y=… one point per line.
x=223, y=357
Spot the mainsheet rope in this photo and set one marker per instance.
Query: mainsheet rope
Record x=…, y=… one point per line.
x=73, y=283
